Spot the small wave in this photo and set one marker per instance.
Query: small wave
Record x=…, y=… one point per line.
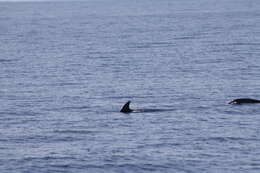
x=132, y=167
x=74, y=131
x=68, y=108
x=75, y=107
x=49, y=158
x=238, y=44
x=153, y=45
x=226, y=139
x=20, y=113
x=185, y=38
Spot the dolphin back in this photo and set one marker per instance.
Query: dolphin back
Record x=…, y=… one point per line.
x=244, y=100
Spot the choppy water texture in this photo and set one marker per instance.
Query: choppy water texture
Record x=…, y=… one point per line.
x=66, y=68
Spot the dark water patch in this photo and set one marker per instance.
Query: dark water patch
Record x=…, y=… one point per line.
x=7, y=60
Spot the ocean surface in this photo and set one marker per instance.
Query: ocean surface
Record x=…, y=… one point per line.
x=67, y=68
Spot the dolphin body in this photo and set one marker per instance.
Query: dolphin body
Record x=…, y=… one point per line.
x=243, y=101
x=126, y=109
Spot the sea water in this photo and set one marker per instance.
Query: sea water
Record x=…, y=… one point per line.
x=67, y=68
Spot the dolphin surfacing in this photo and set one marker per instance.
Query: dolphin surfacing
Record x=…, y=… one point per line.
x=243, y=101
x=126, y=108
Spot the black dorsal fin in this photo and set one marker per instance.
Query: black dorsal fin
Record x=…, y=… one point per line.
x=126, y=108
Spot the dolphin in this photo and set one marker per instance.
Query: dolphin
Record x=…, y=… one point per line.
x=244, y=100
x=126, y=109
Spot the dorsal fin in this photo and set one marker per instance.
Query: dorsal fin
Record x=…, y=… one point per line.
x=126, y=108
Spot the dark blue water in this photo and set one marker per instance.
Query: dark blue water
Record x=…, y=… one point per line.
x=66, y=69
